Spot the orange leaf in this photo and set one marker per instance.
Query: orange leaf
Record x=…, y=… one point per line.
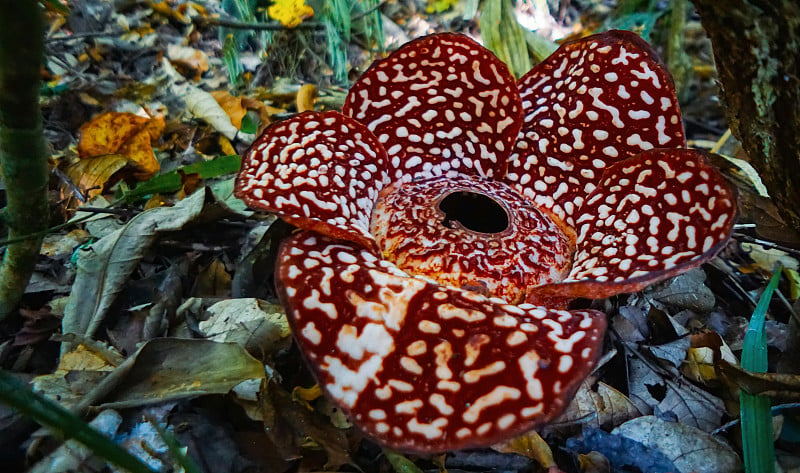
x=123, y=133
x=233, y=106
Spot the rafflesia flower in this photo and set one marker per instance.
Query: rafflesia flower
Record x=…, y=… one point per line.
x=450, y=213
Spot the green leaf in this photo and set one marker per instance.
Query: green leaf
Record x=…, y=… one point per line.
x=49, y=414
x=757, y=443
x=171, y=181
x=400, y=462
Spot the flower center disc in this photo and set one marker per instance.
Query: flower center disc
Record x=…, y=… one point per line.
x=470, y=233
x=475, y=212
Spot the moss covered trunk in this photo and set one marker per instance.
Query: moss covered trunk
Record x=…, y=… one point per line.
x=757, y=53
x=22, y=149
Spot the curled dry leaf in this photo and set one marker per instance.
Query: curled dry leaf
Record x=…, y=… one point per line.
x=126, y=134
x=306, y=97
x=599, y=406
x=531, y=445
x=192, y=63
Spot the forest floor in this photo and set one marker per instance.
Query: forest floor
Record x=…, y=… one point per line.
x=147, y=106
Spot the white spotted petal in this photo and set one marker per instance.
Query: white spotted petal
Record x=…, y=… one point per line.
x=593, y=102
x=318, y=171
x=652, y=216
x=440, y=105
x=422, y=367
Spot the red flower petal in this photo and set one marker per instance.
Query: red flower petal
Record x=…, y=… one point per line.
x=422, y=367
x=439, y=104
x=591, y=103
x=318, y=171
x=652, y=216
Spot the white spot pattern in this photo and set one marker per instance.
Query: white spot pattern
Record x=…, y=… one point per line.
x=646, y=221
x=475, y=126
x=626, y=104
x=290, y=152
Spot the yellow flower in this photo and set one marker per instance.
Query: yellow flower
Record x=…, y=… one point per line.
x=290, y=13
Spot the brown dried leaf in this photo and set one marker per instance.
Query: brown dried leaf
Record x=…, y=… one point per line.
x=601, y=406
x=190, y=62
x=214, y=280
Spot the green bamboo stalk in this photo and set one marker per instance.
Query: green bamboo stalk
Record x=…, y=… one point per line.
x=23, y=156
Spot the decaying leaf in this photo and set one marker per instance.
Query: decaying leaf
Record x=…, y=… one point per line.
x=256, y=325
x=651, y=391
x=173, y=368
x=77, y=373
x=686, y=291
x=126, y=134
x=290, y=13
x=105, y=267
x=690, y=449
x=290, y=425
x=600, y=406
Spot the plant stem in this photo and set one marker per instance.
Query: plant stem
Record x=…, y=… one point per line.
x=23, y=156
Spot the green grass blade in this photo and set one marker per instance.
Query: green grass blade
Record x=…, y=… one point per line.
x=759, y=449
x=49, y=414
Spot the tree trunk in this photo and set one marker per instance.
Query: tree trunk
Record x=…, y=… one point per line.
x=23, y=155
x=757, y=52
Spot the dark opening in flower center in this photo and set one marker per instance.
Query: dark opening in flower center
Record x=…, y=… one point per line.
x=476, y=212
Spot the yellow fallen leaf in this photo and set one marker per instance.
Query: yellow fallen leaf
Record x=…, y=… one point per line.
x=233, y=106
x=83, y=359
x=126, y=134
x=90, y=175
x=306, y=97
x=531, y=445
x=290, y=13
